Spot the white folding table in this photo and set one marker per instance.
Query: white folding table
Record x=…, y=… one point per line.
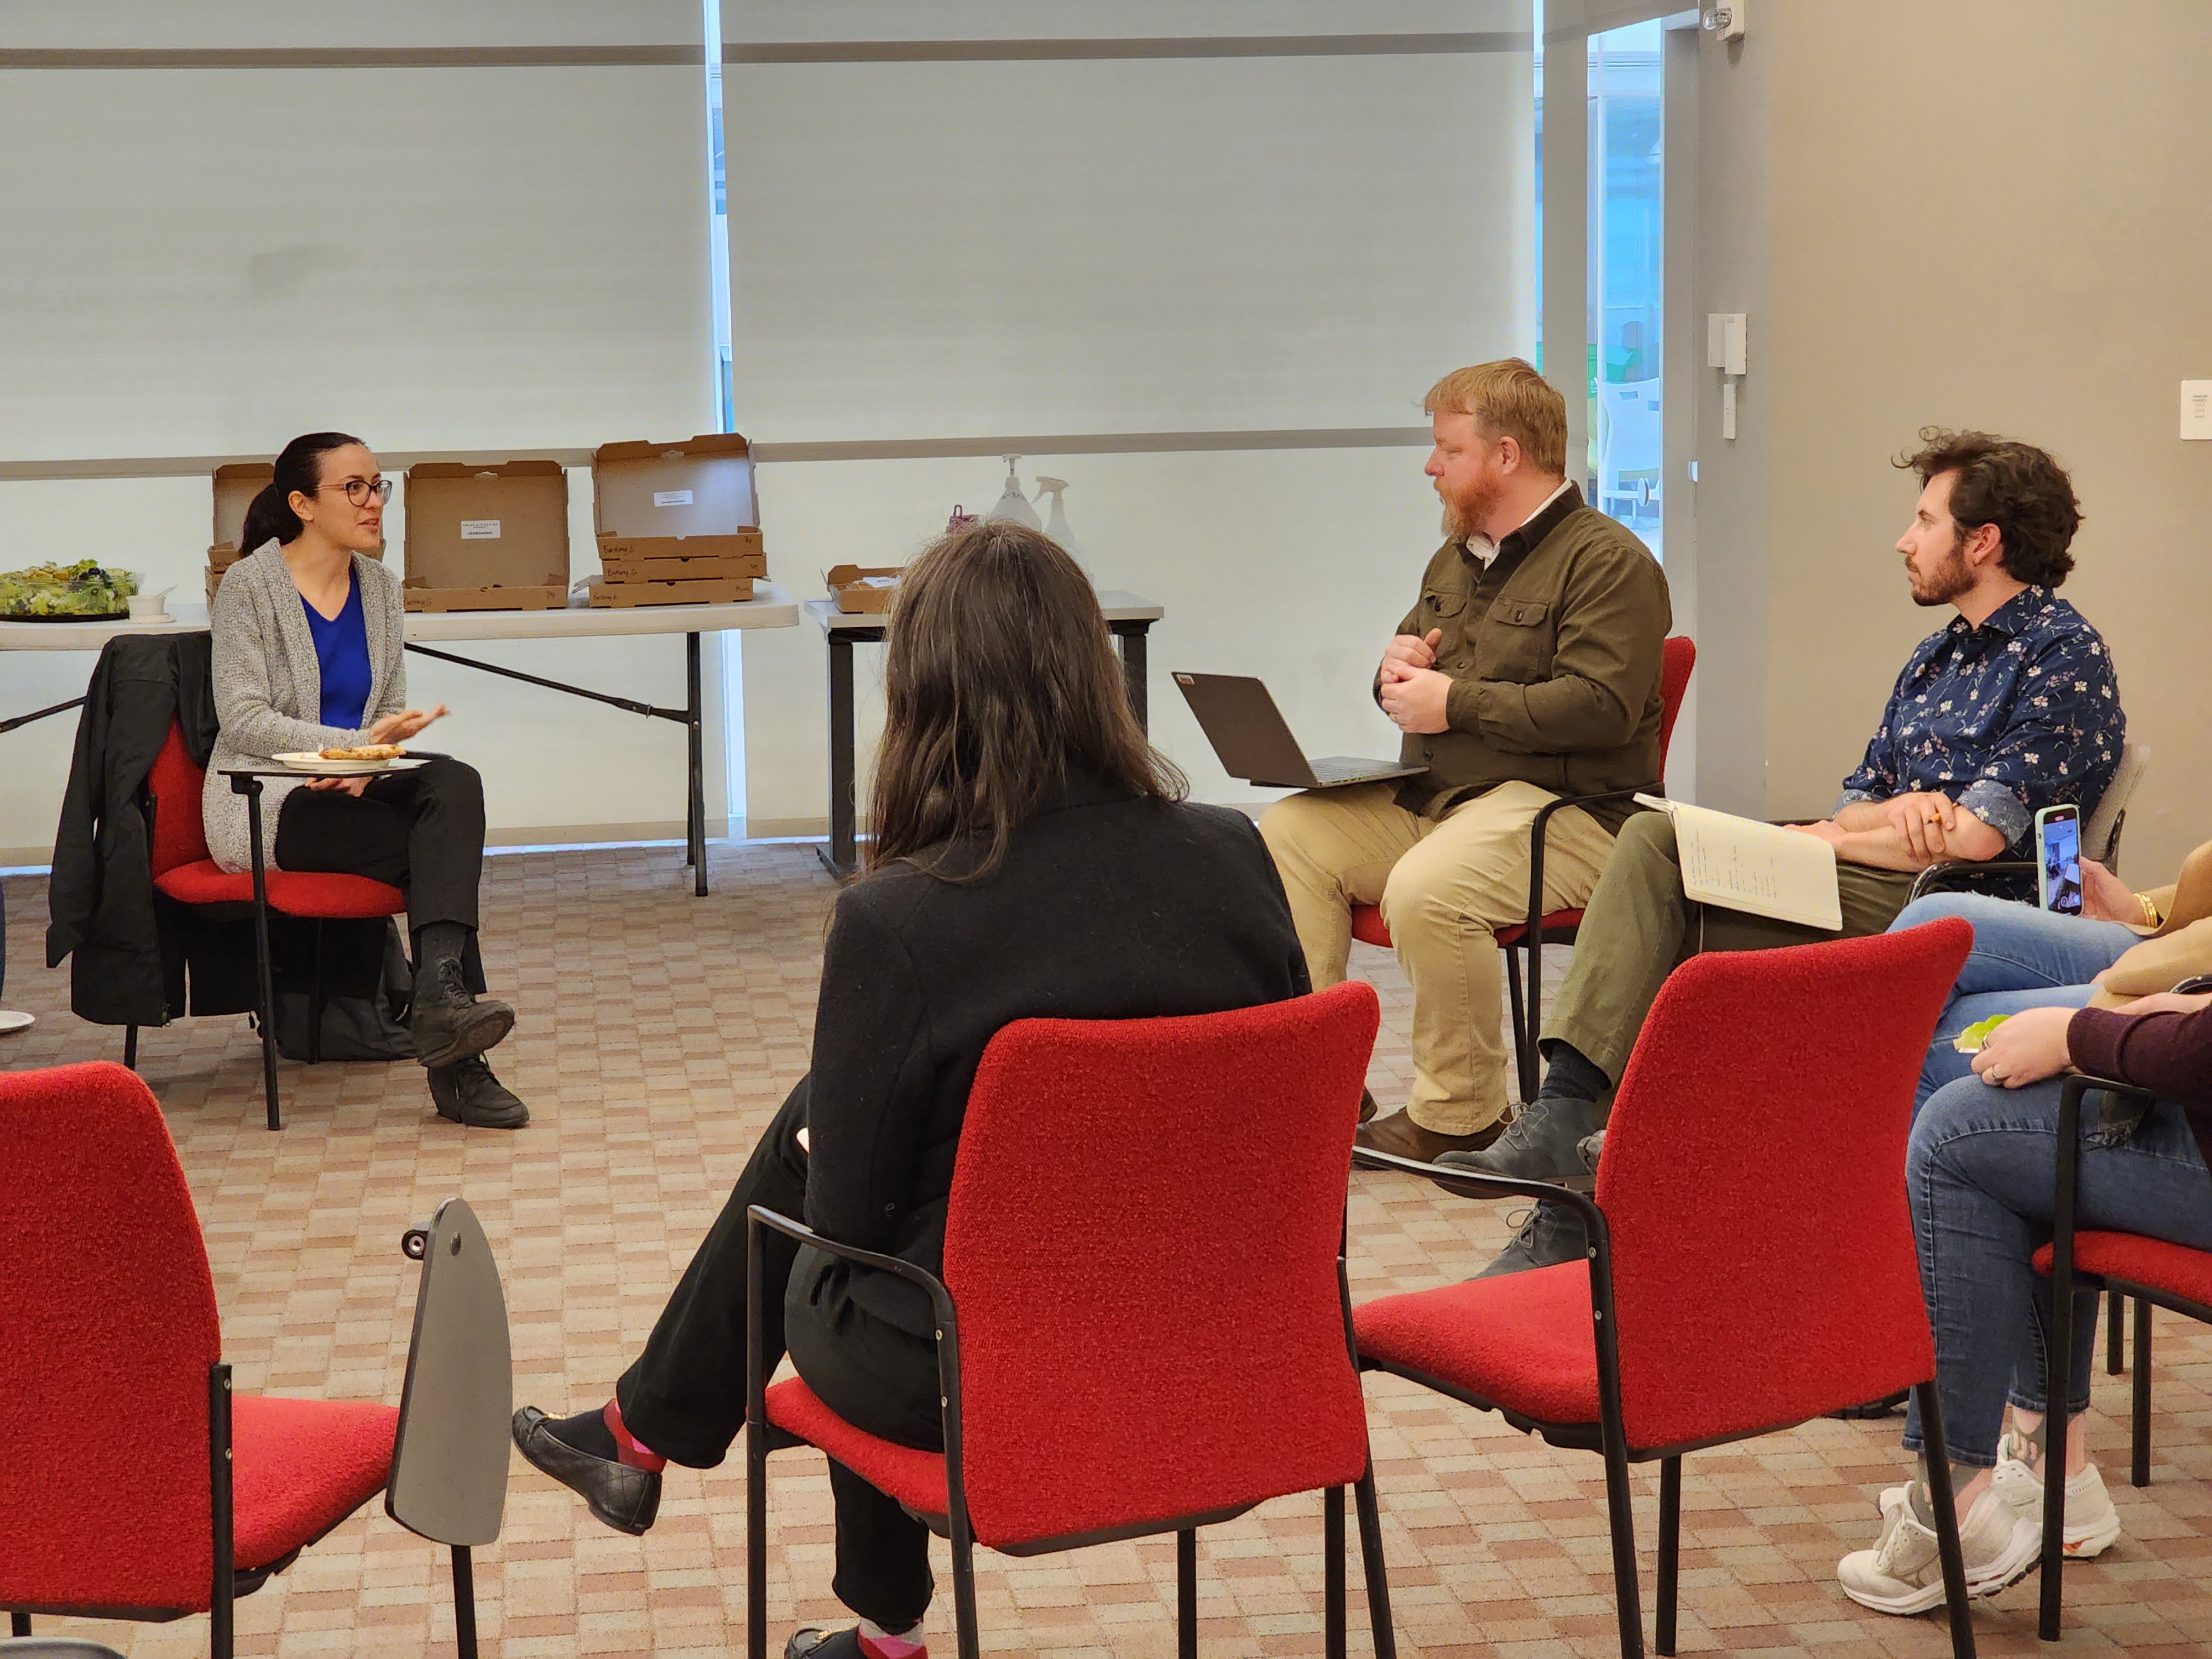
x=770, y=607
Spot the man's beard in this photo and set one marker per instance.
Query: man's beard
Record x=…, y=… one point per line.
x=1463, y=519
x=1951, y=579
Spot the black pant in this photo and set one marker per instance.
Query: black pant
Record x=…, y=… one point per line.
x=420, y=831
x=686, y=1395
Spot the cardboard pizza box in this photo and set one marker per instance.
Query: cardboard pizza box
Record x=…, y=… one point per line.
x=620, y=561
x=862, y=588
x=688, y=500
x=235, y=486
x=487, y=537
x=608, y=595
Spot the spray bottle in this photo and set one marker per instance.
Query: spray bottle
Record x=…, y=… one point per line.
x=1013, y=506
x=1056, y=521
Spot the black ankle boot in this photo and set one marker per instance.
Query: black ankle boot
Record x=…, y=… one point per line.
x=468, y=1094
x=450, y=1022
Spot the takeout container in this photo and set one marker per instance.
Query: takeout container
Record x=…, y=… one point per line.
x=861, y=589
x=487, y=537
x=675, y=524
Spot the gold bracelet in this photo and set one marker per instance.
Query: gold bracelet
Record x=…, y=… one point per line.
x=2151, y=917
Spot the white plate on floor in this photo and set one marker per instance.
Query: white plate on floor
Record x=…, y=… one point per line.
x=12, y=1021
x=308, y=762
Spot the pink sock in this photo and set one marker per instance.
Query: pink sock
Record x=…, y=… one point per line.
x=877, y=1643
x=628, y=1450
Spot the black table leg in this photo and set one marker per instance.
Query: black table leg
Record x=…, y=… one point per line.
x=841, y=854
x=694, y=814
x=1131, y=636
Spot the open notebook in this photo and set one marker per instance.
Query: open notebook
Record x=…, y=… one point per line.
x=1741, y=864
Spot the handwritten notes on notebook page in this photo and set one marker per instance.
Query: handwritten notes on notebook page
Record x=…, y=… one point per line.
x=1762, y=869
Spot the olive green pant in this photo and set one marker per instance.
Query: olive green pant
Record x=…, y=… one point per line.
x=1639, y=925
x=1445, y=886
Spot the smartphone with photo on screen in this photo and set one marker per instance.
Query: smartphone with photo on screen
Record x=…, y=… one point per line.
x=2059, y=859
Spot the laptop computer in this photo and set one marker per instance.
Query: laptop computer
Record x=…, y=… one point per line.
x=1254, y=741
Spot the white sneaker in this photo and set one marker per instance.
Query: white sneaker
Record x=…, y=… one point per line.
x=1904, y=1573
x=2093, y=1525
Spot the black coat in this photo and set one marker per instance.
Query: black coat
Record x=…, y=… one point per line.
x=101, y=899
x=1106, y=908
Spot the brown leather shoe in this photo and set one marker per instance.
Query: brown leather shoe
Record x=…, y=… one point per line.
x=1399, y=1135
x=1367, y=1106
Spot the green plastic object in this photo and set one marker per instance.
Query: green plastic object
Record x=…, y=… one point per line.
x=1970, y=1041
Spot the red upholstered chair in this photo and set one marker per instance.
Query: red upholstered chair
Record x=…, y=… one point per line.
x=184, y=871
x=2153, y=1271
x=1144, y=1324
x=133, y=1485
x=1556, y=926
x=1725, y=1297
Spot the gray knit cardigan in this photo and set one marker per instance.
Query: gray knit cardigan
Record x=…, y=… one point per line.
x=269, y=687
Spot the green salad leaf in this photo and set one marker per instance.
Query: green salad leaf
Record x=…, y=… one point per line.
x=86, y=588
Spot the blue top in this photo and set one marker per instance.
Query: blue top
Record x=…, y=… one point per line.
x=342, y=648
x=2006, y=719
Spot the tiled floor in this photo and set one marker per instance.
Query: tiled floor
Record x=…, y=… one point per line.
x=658, y=1032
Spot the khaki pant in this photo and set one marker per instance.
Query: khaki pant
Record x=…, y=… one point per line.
x=1445, y=887
x=1639, y=926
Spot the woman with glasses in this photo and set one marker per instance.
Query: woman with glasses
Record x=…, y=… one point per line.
x=307, y=656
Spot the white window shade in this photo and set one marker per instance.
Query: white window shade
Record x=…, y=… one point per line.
x=204, y=261
x=922, y=248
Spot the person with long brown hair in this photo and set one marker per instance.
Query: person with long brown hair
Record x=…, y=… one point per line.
x=1033, y=856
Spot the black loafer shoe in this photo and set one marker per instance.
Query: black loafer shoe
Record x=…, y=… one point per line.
x=625, y=1498
x=451, y=1023
x=812, y=1644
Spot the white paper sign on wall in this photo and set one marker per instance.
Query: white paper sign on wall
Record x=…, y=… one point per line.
x=2196, y=410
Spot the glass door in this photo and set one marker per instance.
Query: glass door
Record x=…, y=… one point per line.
x=1626, y=248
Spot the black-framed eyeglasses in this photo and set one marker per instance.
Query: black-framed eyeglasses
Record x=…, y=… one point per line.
x=358, y=490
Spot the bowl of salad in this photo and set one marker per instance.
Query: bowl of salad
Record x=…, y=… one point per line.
x=84, y=592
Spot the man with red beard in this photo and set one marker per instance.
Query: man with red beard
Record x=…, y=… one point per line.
x=2011, y=706
x=1527, y=670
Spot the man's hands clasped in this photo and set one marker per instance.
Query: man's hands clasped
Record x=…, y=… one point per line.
x=1414, y=693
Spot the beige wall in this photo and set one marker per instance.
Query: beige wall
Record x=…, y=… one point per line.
x=1987, y=213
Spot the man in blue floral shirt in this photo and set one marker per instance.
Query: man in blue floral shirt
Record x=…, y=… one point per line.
x=2011, y=708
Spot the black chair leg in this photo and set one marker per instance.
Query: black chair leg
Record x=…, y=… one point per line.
x=267, y=1016
x=1620, y=1521
x=2116, y=1351
x=1670, y=1546
x=1524, y=1057
x=755, y=1537
x=464, y=1603
x=1944, y=1503
x=131, y=1047
x=1332, y=1572
x=1187, y=1593
x=19, y=1624
x=2139, y=1459
x=315, y=1003
x=963, y=1587
x=1371, y=1564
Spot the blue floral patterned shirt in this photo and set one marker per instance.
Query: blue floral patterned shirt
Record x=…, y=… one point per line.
x=2017, y=714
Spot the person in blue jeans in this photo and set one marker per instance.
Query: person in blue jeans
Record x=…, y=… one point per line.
x=1980, y=1168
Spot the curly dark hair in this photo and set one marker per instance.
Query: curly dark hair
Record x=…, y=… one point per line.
x=2014, y=486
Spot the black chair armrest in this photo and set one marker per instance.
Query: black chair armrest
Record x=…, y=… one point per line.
x=1537, y=832
x=940, y=1298
x=1963, y=875
x=1472, y=1183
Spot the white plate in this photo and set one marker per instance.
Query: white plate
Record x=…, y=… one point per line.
x=308, y=760
x=12, y=1021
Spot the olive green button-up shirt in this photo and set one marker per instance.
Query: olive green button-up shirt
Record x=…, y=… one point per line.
x=1553, y=649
